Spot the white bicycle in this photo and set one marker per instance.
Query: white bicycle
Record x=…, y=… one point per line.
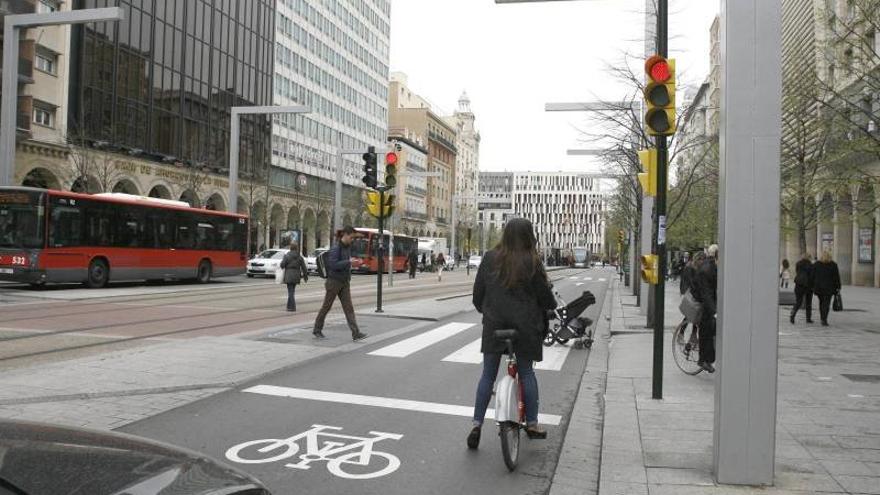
x=351, y=451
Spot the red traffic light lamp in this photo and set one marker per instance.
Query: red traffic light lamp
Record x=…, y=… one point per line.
x=391, y=158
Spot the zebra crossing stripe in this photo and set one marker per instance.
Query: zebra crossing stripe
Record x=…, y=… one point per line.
x=554, y=356
x=414, y=344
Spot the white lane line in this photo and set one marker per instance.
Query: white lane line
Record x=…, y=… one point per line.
x=386, y=402
x=579, y=284
x=554, y=358
x=603, y=280
x=467, y=354
x=573, y=278
x=414, y=344
x=588, y=278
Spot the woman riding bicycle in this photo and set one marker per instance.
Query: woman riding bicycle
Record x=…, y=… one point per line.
x=512, y=292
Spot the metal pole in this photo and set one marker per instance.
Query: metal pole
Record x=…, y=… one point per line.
x=337, y=203
x=660, y=222
x=467, y=261
x=379, y=245
x=234, y=131
x=454, y=226
x=9, y=101
x=748, y=222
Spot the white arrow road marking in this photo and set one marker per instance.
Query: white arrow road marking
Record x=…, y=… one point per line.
x=554, y=356
x=414, y=344
x=386, y=402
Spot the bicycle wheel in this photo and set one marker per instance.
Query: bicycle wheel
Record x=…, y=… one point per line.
x=509, y=433
x=335, y=465
x=686, y=349
x=265, y=446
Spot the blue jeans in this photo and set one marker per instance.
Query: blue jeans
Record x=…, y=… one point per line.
x=487, y=380
x=291, y=301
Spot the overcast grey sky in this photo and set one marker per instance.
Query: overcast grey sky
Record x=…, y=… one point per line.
x=513, y=58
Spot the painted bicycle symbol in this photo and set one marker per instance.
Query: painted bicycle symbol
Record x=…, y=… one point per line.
x=321, y=444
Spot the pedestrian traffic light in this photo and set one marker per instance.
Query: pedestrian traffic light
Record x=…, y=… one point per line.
x=650, y=269
x=370, y=170
x=660, y=96
x=648, y=178
x=391, y=169
x=374, y=202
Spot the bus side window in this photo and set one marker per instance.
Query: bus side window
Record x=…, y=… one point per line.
x=186, y=236
x=97, y=223
x=163, y=224
x=66, y=227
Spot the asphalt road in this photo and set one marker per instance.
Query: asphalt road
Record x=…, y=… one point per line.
x=410, y=396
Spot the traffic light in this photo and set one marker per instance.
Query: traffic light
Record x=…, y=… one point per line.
x=391, y=169
x=648, y=178
x=650, y=269
x=373, y=204
x=370, y=170
x=620, y=236
x=660, y=96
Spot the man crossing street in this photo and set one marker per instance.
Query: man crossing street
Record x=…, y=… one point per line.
x=338, y=284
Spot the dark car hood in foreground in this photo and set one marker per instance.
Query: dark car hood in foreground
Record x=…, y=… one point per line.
x=43, y=459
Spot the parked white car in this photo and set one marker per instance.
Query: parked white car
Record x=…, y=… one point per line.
x=474, y=261
x=312, y=261
x=265, y=263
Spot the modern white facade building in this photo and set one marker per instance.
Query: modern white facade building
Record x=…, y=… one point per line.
x=333, y=58
x=567, y=209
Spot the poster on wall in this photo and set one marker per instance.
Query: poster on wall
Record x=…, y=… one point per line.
x=288, y=236
x=827, y=243
x=866, y=245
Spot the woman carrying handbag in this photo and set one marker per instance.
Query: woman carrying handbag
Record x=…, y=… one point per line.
x=826, y=284
x=295, y=271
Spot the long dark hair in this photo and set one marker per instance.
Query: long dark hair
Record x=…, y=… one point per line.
x=517, y=252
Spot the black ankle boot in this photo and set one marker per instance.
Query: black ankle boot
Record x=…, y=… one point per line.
x=473, y=439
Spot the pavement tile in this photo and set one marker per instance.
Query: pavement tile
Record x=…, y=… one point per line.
x=860, y=484
x=622, y=488
x=849, y=468
x=806, y=481
x=666, y=476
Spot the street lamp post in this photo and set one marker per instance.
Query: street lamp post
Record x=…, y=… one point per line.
x=12, y=26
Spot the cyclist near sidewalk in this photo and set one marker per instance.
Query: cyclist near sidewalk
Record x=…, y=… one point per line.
x=706, y=293
x=512, y=291
x=338, y=284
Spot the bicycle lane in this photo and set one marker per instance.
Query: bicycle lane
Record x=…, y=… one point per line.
x=405, y=392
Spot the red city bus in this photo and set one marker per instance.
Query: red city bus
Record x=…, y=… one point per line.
x=54, y=236
x=363, y=249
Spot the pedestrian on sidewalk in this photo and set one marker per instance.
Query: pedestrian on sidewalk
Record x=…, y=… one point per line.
x=424, y=262
x=826, y=283
x=441, y=264
x=689, y=273
x=413, y=261
x=338, y=284
x=706, y=293
x=803, y=288
x=784, y=274
x=295, y=271
x=512, y=292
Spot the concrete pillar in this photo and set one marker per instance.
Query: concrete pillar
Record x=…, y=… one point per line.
x=748, y=315
x=843, y=239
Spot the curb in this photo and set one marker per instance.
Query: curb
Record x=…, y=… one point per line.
x=579, y=465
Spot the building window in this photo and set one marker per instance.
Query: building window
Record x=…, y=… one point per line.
x=44, y=116
x=47, y=62
x=47, y=6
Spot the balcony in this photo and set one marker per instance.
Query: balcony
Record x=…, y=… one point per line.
x=416, y=190
x=440, y=139
x=415, y=215
x=24, y=116
x=17, y=7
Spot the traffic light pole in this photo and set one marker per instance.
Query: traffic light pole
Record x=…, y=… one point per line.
x=380, y=248
x=660, y=220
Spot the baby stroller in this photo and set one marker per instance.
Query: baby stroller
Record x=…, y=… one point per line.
x=569, y=323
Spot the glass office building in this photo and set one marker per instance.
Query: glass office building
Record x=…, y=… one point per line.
x=160, y=82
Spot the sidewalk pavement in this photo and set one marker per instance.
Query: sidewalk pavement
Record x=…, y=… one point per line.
x=828, y=426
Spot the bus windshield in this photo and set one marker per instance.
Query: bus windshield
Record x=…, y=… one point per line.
x=21, y=220
x=580, y=255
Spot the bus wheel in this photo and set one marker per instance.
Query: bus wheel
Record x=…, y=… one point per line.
x=99, y=272
x=204, y=273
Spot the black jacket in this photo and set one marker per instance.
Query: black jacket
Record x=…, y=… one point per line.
x=522, y=308
x=686, y=278
x=295, y=269
x=705, y=286
x=339, y=266
x=826, y=278
x=803, y=273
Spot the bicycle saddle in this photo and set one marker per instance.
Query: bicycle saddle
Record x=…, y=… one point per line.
x=505, y=334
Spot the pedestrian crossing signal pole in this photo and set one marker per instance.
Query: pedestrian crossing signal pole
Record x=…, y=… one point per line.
x=660, y=122
x=380, y=247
